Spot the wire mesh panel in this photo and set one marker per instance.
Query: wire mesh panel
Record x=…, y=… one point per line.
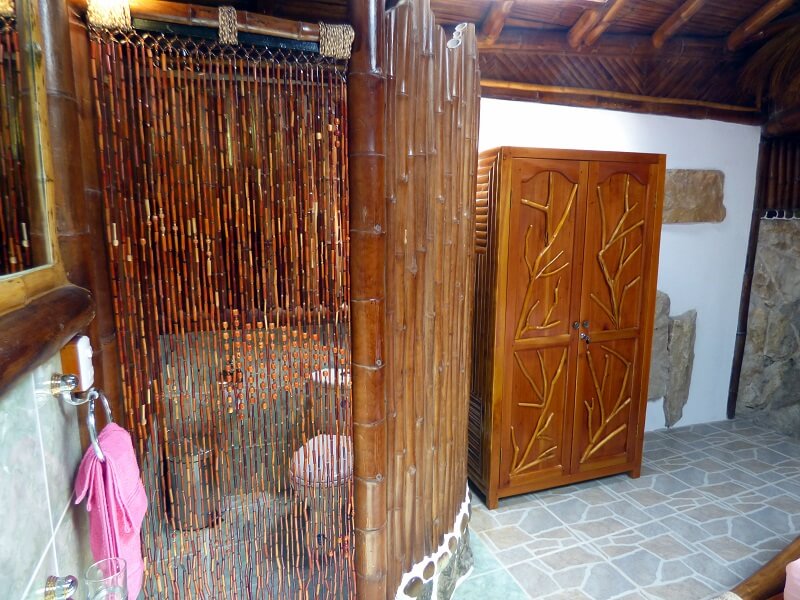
x=225, y=189
x=15, y=225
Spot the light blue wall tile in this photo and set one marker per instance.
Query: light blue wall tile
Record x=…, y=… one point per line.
x=38, y=578
x=59, y=427
x=26, y=524
x=43, y=533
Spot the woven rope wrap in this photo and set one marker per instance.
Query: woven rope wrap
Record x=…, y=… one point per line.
x=335, y=41
x=109, y=15
x=228, y=25
x=7, y=8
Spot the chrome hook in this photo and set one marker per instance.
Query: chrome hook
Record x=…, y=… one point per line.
x=91, y=423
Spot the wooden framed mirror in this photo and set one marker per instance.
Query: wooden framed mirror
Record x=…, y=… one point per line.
x=30, y=262
x=39, y=309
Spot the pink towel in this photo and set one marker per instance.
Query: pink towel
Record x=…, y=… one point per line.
x=792, y=589
x=116, y=501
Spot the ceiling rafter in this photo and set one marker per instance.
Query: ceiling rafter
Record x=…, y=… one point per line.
x=525, y=41
x=585, y=22
x=755, y=22
x=494, y=21
x=676, y=20
x=605, y=22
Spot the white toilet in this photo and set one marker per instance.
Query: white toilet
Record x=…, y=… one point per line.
x=321, y=471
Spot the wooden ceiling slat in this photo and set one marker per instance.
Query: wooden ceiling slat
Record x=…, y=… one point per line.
x=676, y=20
x=634, y=72
x=763, y=16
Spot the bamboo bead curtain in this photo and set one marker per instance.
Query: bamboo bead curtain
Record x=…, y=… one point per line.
x=226, y=208
x=431, y=156
x=15, y=250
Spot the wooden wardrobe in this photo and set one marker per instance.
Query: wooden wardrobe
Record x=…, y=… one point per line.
x=567, y=258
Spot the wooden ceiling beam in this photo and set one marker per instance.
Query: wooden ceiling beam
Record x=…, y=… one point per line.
x=585, y=22
x=612, y=95
x=676, y=20
x=526, y=41
x=605, y=22
x=627, y=102
x=494, y=21
x=786, y=122
x=756, y=21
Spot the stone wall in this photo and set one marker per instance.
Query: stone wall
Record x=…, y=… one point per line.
x=769, y=387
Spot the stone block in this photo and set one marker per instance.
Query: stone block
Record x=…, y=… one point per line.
x=778, y=386
x=756, y=329
x=659, y=359
x=458, y=566
x=781, y=341
x=694, y=196
x=682, y=332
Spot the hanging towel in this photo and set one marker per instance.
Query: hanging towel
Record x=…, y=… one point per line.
x=792, y=589
x=116, y=501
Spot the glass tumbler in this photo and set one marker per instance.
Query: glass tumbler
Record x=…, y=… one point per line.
x=107, y=579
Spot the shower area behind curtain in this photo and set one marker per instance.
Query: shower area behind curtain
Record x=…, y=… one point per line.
x=225, y=188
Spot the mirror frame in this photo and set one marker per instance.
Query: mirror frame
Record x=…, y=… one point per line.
x=19, y=289
x=40, y=311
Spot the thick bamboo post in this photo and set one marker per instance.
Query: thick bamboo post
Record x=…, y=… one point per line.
x=368, y=291
x=62, y=107
x=104, y=342
x=79, y=252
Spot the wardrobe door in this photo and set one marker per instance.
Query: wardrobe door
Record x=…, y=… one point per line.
x=545, y=226
x=609, y=390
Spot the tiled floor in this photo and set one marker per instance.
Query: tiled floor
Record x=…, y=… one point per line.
x=714, y=503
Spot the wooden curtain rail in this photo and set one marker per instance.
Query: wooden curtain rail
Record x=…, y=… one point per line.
x=207, y=16
x=557, y=89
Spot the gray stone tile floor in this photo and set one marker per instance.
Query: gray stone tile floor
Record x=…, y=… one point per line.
x=714, y=503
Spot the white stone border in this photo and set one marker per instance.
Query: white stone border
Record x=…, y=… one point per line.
x=444, y=549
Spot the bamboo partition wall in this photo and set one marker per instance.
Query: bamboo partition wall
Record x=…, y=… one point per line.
x=15, y=225
x=778, y=192
x=432, y=103
x=226, y=207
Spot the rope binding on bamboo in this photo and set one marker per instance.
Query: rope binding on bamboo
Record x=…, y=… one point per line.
x=228, y=25
x=335, y=41
x=7, y=8
x=109, y=15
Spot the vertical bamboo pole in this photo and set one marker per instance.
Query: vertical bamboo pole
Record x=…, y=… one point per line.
x=368, y=291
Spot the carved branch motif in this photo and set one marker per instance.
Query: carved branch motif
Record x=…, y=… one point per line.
x=612, y=274
x=542, y=267
x=529, y=459
x=598, y=421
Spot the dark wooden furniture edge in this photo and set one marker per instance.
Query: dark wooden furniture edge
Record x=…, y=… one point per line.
x=33, y=333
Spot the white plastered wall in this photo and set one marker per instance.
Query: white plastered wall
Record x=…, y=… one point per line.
x=701, y=265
